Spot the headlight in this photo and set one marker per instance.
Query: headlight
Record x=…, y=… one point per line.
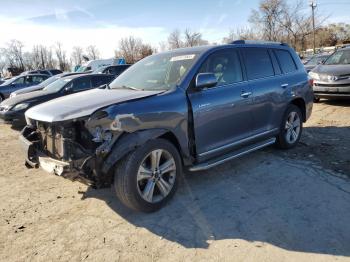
x=12, y=95
x=314, y=76
x=20, y=107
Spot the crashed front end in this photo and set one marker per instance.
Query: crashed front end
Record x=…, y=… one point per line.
x=72, y=149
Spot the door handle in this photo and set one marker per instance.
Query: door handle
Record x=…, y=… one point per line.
x=284, y=85
x=246, y=94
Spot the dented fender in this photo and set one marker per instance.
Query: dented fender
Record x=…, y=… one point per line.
x=128, y=142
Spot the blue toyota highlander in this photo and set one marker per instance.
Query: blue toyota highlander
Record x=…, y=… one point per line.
x=191, y=109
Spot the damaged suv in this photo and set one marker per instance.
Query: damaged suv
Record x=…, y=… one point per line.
x=190, y=109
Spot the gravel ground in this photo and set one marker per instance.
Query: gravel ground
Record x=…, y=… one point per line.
x=271, y=205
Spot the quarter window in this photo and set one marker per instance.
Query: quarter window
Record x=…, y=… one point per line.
x=225, y=65
x=258, y=63
x=286, y=61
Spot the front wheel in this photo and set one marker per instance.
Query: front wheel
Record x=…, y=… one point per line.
x=148, y=176
x=291, y=128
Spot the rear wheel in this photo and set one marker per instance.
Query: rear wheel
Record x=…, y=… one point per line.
x=291, y=128
x=148, y=176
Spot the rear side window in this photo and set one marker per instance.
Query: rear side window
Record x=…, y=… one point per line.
x=286, y=61
x=258, y=63
x=81, y=84
x=100, y=80
x=225, y=65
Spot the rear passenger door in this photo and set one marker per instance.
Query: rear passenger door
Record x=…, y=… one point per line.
x=261, y=69
x=221, y=114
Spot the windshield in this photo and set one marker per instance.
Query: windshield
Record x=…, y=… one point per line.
x=57, y=85
x=157, y=72
x=316, y=60
x=9, y=81
x=341, y=57
x=49, y=81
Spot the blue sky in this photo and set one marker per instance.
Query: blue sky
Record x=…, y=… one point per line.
x=104, y=22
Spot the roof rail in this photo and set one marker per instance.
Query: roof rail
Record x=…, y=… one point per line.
x=243, y=42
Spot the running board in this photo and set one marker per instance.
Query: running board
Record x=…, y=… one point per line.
x=235, y=154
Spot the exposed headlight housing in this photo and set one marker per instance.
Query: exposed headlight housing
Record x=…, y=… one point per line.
x=314, y=75
x=20, y=106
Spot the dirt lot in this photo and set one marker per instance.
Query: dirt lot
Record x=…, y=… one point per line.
x=269, y=206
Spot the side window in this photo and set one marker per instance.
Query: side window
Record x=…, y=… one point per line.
x=81, y=84
x=286, y=61
x=100, y=80
x=38, y=79
x=19, y=81
x=29, y=80
x=44, y=72
x=225, y=65
x=258, y=63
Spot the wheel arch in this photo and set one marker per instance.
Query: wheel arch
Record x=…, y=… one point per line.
x=129, y=141
x=300, y=103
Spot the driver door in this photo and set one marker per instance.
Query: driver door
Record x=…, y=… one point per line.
x=222, y=114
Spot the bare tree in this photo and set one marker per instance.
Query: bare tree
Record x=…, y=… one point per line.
x=77, y=55
x=13, y=53
x=133, y=49
x=174, y=40
x=194, y=39
x=267, y=18
x=241, y=34
x=92, y=52
x=61, y=57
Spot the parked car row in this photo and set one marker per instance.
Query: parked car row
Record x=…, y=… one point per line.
x=191, y=108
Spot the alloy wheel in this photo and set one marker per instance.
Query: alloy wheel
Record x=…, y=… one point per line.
x=156, y=176
x=292, y=127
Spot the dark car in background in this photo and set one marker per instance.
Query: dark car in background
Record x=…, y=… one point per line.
x=332, y=78
x=115, y=70
x=49, y=72
x=191, y=109
x=19, y=82
x=315, y=61
x=12, y=110
x=42, y=84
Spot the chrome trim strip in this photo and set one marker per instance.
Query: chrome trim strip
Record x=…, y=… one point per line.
x=237, y=142
x=206, y=166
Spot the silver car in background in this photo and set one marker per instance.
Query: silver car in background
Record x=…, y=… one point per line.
x=332, y=78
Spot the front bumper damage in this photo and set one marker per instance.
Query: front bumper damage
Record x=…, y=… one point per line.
x=75, y=161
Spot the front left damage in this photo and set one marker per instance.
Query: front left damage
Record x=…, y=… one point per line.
x=87, y=148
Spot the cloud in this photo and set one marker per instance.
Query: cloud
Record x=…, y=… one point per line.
x=222, y=18
x=105, y=37
x=61, y=15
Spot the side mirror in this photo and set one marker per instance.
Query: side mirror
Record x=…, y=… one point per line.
x=206, y=80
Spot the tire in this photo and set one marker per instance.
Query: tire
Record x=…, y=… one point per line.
x=288, y=138
x=138, y=172
x=317, y=99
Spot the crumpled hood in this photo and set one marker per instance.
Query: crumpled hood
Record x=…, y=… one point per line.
x=83, y=104
x=333, y=70
x=27, y=97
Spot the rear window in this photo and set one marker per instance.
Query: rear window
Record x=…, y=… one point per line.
x=286, y=61
x=258, y=63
